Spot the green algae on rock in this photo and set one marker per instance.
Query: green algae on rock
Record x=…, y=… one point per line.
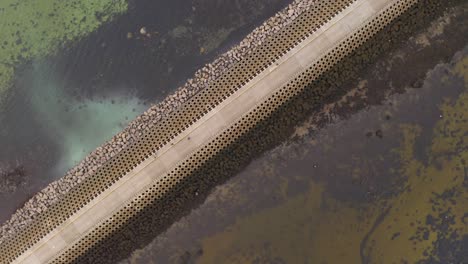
x=31, y=29
x=6, y=73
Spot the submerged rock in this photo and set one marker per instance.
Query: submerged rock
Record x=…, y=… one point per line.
x=11, y=178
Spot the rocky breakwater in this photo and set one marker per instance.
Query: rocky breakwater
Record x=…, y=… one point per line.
x=88, y=166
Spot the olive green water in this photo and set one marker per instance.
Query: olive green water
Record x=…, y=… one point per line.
x=384, y=181
x=428, y=208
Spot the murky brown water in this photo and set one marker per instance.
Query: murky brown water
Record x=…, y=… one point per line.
x=383, y=181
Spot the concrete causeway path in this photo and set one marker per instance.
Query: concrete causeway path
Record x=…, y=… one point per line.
x=213, y=123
